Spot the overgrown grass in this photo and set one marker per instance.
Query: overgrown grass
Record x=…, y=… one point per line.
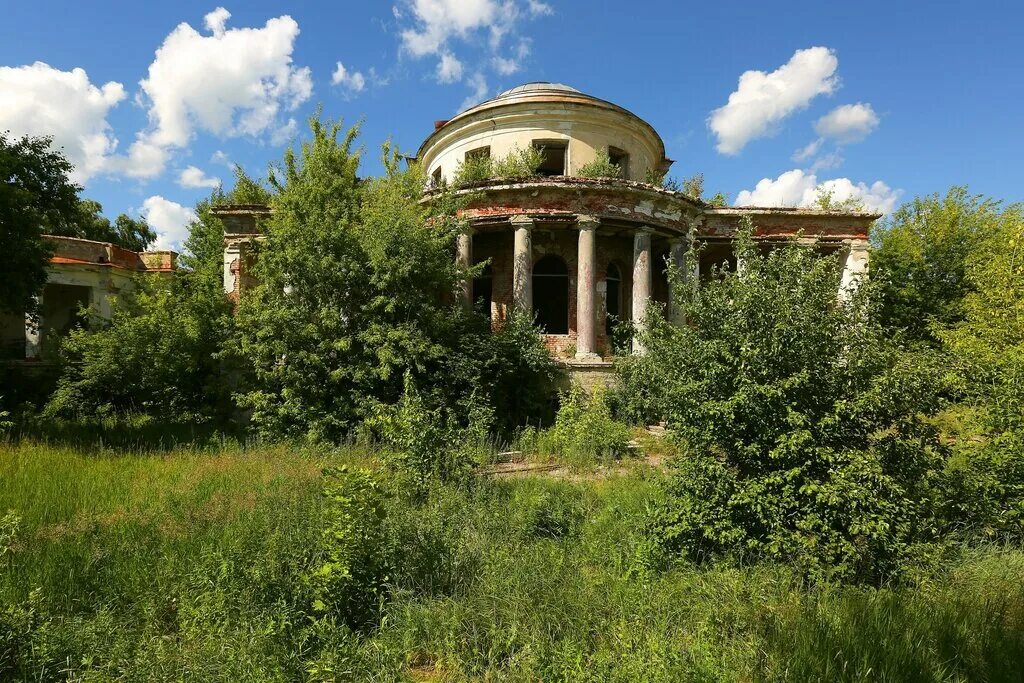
x=194, y=564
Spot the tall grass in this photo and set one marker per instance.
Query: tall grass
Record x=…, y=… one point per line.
x=193, y=565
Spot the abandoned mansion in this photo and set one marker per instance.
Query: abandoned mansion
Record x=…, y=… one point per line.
x=581, y=253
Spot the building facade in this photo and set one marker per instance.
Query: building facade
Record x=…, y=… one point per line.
x=582, y=254
x=82, y=274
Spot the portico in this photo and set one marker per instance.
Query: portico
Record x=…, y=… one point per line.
x=577, y=276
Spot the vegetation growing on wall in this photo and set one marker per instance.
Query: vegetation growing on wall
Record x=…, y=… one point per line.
x=518, y=164
x=600, y=167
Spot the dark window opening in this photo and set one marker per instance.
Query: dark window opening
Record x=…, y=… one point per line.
x=620, y=159
x=551, y=295
x=553, y=157
x=435, y=177
x=613, y=297
x=482, y=292
x=479, y=153
x=716, y=257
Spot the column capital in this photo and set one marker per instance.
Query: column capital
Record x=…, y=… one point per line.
x=521, y=221
x=643, y=230
x=587, y=222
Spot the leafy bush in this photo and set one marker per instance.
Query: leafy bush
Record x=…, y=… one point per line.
x=520, y=162
x=473, y=170
x=921, y=261
x=600, y=167
x=354, y=293
x=423, y=442
x=350, y=579
x=802, y=421
x=159, y=354
x=584, y=429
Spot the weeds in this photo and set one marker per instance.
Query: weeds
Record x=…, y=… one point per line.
x=127, y=566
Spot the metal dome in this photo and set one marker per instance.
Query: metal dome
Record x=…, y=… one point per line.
x=538, y=86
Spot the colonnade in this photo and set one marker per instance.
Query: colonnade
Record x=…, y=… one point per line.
x=586, y=276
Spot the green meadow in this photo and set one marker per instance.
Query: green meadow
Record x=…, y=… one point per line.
x=200, y=564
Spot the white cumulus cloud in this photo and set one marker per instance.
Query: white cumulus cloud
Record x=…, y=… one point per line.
x=799, y=188
x=170, y=221
x=235, y=82
x=848, y=123
x=194, y=177
x=539, y=9
x=479, y=85
x=38, y=99
x=805, y=153
x=440, y=20
x=449, y=68
x=762, y=100
x=353, y=81
x=435, y=26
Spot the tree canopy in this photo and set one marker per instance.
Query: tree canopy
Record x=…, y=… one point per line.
x=36, y=195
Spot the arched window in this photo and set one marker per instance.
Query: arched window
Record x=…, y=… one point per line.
x=482, y=291
x=613, y=297
x=551, y=295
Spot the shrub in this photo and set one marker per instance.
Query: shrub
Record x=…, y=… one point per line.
x=546, y=509
x=160, y=354
x=354, y=293
x=921, y=261
x=802, y=421
x=600, y=167
x=424, y=444
x=520, y=162
x=473, y=170
x=349, y=580
x=584, y=429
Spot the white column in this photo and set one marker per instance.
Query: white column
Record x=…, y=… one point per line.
x=232, y=255
x=34, y=331
x=522, y=264
x=641, y=283
x=586, y=340
x=464, y=259
x=855, y=267
x=99, y=299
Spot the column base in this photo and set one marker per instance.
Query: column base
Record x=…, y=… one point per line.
x=588, y=356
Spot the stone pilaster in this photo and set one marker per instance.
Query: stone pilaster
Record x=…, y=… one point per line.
x=522, y=264
x=232, y=261
x=641, y=283
x=464, y=259
x=855, y=267
x=34, y=331
x=586, y=338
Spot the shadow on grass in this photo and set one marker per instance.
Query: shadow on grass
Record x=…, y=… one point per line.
x=130, y=433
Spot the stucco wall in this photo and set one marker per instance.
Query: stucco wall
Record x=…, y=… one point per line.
x=585, y=129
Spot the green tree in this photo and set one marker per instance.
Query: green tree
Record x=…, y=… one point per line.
x=126, y=232
x=355, y=293
x=169, y=349
x=801, y=420
x=987, y=346
x=35, y=195
x=920, y=260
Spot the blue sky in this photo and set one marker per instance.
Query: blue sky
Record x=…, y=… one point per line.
x=888, y=100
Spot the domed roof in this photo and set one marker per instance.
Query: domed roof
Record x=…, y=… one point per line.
x=538, y=86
